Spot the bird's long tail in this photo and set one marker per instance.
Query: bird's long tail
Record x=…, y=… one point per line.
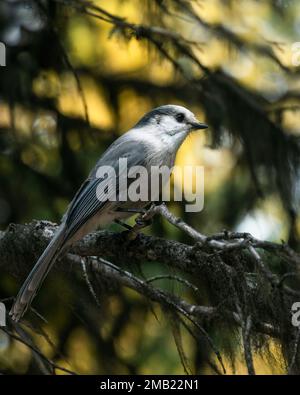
x=37, y=276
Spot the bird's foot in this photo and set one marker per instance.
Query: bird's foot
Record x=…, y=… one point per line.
x=142, y=221
x=145, y=219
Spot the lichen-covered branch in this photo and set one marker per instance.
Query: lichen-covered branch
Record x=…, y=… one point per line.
x=241, y=259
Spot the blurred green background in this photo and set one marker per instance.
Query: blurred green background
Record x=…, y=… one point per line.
x=74, y=82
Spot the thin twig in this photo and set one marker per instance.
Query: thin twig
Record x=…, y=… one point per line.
x=89, y=284
x=246, y=328
x=171, y=277
x=295, y=352
x=34, y=349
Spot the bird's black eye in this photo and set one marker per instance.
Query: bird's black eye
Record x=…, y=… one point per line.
x=180, y=117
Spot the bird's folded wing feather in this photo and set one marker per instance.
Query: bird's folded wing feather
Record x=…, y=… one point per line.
x=87, y=201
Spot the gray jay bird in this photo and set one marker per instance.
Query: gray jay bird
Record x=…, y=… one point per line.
x=153, y=141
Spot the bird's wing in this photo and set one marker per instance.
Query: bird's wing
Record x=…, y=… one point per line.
x=87, y=201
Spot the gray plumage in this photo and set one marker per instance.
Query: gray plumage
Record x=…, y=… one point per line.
x=153, y=141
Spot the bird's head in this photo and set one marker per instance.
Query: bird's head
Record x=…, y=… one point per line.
x=171, y=120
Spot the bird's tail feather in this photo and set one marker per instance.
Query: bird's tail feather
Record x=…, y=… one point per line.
x=37, y=276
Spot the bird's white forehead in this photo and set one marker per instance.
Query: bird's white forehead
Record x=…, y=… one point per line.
x=176, y=109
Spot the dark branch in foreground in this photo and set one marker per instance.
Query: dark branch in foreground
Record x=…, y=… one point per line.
x=242, y=260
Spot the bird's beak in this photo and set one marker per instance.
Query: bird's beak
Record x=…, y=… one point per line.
x=198, y=125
